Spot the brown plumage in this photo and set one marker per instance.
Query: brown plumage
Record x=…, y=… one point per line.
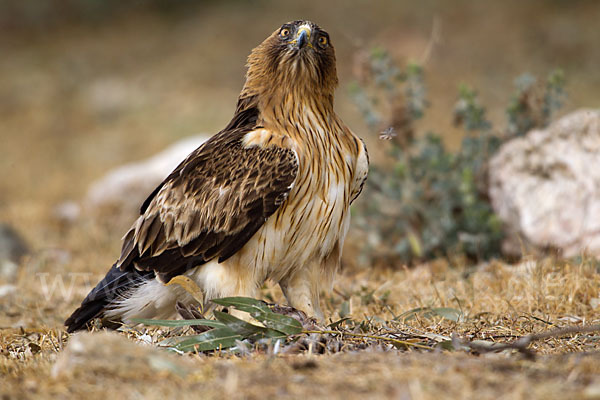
x=266, y=198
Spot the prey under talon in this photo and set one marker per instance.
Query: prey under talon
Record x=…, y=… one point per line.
x=191, y=312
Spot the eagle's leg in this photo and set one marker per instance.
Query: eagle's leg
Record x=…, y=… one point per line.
x=302, y=290
x=225, y=280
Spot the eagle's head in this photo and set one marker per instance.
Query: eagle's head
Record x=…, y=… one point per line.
x=298, y=56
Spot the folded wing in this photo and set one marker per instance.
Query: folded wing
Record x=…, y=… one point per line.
x=210, y=206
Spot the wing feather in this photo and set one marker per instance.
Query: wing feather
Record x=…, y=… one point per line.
x=210, y=206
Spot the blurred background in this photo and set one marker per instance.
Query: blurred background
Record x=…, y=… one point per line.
x=88, y=85
x=445, y=94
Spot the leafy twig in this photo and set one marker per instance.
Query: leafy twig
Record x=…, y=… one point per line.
x=367, y=336
x=522, y=343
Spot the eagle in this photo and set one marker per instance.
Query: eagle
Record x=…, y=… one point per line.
x=266, y=198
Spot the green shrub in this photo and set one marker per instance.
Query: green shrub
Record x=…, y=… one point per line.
x=533, y=105
x=425, y=201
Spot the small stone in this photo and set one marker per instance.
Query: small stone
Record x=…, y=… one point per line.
x=67, y=212
x=6, y=290
x=12, y=249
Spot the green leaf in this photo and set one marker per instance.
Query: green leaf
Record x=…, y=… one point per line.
x=278, y=322
x=219, y=338
x=246, y=304
x=400, y=346
x=410, y=314
x=176, y=323
x=239, y=326
x=260, y=311
x=451, y=314
x=337, y=323
x=344, y=309
x=273, y=334
x=445, y=345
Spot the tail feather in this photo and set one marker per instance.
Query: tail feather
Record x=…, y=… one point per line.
x=112, y=288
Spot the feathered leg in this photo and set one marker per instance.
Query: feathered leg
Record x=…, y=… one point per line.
x=302, y=290
x=225, y=280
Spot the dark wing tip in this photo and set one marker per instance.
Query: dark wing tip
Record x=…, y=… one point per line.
x=83, y=315
x=114, y=285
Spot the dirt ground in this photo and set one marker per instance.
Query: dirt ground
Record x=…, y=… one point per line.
x=497, y=303
x=79, y=98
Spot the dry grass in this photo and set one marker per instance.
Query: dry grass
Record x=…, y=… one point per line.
x=57, y=137
x=499, y=302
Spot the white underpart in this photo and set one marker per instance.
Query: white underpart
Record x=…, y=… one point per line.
x=152, y=299
x=297, y=162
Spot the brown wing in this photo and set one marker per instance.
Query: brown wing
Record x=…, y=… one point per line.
x=210, y=206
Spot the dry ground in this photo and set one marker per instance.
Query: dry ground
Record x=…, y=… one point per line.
x=80, y=99
x=499, y=303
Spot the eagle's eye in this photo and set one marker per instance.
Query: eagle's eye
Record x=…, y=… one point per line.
x=284, y=33
x=323, y=41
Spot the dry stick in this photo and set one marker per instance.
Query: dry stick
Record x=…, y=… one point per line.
x=56, y=348
x=523, y=342
x=434, y=39
x=520, y=344
x=366, y=336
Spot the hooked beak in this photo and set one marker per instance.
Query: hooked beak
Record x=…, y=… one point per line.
x=302, y=37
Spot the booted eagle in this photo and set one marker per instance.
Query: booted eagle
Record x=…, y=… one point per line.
x=268, y=197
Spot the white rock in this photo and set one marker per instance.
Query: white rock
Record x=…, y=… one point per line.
x=545, y=186
x=123, y=190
